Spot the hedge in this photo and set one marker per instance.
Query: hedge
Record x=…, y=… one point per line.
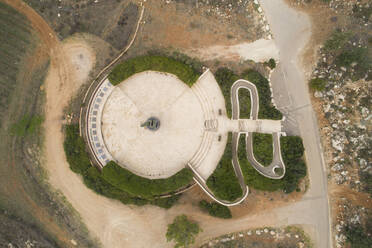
x=143, y=187
x=155, y=63
x=223, y=182
x=79, y=162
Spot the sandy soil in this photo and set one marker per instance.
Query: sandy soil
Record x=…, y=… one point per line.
x=259, y=51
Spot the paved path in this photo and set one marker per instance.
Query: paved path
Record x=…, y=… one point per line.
x=291, y=30
x=277, y=162
x=269, y=171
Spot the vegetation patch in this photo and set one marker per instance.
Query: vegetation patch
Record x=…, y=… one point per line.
x=359, y=235
x=154, y=63
x=28, y=125
x=215, y=209
x=244, y=103
x=143, y=187
x=317, y=84
x=263, y=148
x=292, y=152
x=182, y=231
x=225, y=78
x=223, y=182
x=271, y=63
x=267, y=109
x=78, y=159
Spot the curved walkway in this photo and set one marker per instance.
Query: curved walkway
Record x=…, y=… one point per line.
x=268, y=171
x=277, y=162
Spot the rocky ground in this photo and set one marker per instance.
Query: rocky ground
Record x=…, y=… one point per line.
x=266, y=237
x=341, y=87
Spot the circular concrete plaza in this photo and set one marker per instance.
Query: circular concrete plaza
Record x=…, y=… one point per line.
x=138, y=104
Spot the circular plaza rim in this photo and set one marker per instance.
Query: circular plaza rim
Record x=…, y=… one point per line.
x=116, y=131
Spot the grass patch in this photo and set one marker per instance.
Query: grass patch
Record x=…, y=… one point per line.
x=292, y=153
x=244, y=103
x=109, y=184
x=317, y=84
x=215, y=209
x=28, y=125
x=143, y=187
x=263, y=148
x=223, y=182
x=226, y=77
x=155, y=63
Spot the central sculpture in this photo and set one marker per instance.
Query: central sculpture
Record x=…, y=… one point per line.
x=152, y=124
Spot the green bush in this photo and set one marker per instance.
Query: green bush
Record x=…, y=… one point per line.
x=292, y=152
x=215, y=209
x=182, y=231
x=74, y=146
x=144, y=187
x=155, y=63
x=263, y=148
x=79, y=162
x=226, y=77
x=271, y=63
x=266, y=108
x=223, y=182
x=318, y=84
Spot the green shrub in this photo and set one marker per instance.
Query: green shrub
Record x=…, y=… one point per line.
x=263, y=148
x=318, y=84
x=292, y=152
x=271, y=63
x=155, y=63
x=144, y=187
x=266, y=108
x=223, y=182
x=74, y=146
x=78, y=159
x=182, y=231
x=226, y=77
x=215, y=209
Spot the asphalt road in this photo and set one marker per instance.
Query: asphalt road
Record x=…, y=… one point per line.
x=291, y=30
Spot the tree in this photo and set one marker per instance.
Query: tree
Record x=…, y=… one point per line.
x=182, y=231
